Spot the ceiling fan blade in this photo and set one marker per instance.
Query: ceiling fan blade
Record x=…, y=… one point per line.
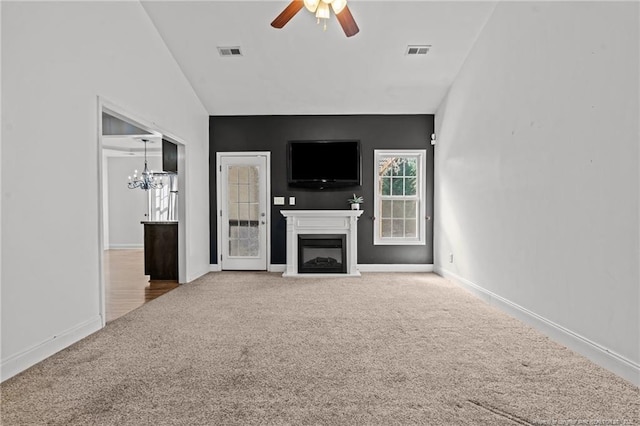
x=288, y=13
x=347, y=22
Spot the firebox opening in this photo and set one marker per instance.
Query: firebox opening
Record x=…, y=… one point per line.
x=322, y=254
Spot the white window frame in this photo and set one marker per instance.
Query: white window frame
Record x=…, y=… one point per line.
x=421, y=197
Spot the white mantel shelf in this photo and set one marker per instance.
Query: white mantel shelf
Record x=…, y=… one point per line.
x=322, y=222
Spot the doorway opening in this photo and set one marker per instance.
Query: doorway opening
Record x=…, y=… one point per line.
x=130, y=157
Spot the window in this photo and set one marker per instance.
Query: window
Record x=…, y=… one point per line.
x=399, y=197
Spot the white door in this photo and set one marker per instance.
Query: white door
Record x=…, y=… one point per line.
x=243, y=211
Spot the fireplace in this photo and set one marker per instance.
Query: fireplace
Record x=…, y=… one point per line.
x=314, y=225
x=322, y=254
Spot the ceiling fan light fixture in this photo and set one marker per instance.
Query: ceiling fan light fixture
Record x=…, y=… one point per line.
x=311, y=5
x=323, y=11
x=338, y=5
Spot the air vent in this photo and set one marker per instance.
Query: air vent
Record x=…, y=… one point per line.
x=230, y=51
x=418, y=50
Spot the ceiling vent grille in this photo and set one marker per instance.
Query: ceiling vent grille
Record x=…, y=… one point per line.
x=418, y=50
x=229, y=51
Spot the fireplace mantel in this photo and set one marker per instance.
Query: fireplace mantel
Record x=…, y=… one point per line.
x=322, y=222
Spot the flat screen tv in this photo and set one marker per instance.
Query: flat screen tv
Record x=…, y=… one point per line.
x=324, y=163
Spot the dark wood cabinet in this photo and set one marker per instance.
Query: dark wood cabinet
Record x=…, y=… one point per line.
x=161, y=250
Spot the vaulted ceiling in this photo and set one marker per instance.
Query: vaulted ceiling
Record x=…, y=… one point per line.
x=302, y=69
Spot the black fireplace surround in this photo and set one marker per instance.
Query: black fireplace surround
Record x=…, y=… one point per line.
x=322, y=254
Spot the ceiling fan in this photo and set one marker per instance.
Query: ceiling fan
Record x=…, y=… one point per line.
x=321, y=9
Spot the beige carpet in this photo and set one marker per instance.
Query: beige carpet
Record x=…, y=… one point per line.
x=255, y=348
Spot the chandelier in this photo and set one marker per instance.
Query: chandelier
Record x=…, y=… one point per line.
x=148, y=179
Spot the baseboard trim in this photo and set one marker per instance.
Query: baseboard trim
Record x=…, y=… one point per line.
x=125, y=246
x=600, y=355
x=367, y=267
x=194, y=276
x=29, y=357
x=271, y=268
x=372, y=267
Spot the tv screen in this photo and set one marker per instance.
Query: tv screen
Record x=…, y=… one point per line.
x=324, y=164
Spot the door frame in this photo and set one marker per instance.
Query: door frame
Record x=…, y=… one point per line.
x=218, y=211
x=106, y=106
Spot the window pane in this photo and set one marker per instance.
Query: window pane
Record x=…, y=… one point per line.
x=243, y=247
x=233, y=174
x=233, y=247
x=411, y=186
x=243, y=211
x=397, y=167
x=398, y=228
x=233, y=193
x=397, y=186
x=386, y=208
x=253, y=175
x=410, y=228
x=411, y=167
x=385, y=167
x=385, y=230
x=398, y=209
x=254, y=232
x=253, y=184
x=386, y=186
x=243, y=230
x=410, y=209
x=243, y=193
x=233, y=229
x=243, y=174
x=253, y=248
x=233, y=212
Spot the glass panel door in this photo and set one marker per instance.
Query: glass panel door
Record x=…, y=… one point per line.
x=243, y=213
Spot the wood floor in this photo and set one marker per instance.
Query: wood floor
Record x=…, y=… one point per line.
x=127, y=288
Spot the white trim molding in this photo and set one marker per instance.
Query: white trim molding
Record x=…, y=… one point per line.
x=395, y=267
x=33, y=355
x=366, y=267
x=277, y=267
x=600, y=355
x=197, y=274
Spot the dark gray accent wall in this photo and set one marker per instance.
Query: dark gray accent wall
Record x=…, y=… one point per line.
x=271, y=133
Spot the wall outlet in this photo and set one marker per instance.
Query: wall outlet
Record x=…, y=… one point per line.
x=278, y=201
x=450, y=257
x=292, y=201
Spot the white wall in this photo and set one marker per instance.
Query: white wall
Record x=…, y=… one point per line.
x=537, y=173
x=57, y=58
x=127, y=207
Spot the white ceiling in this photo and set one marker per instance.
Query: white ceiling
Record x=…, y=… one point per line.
x=302, y=69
